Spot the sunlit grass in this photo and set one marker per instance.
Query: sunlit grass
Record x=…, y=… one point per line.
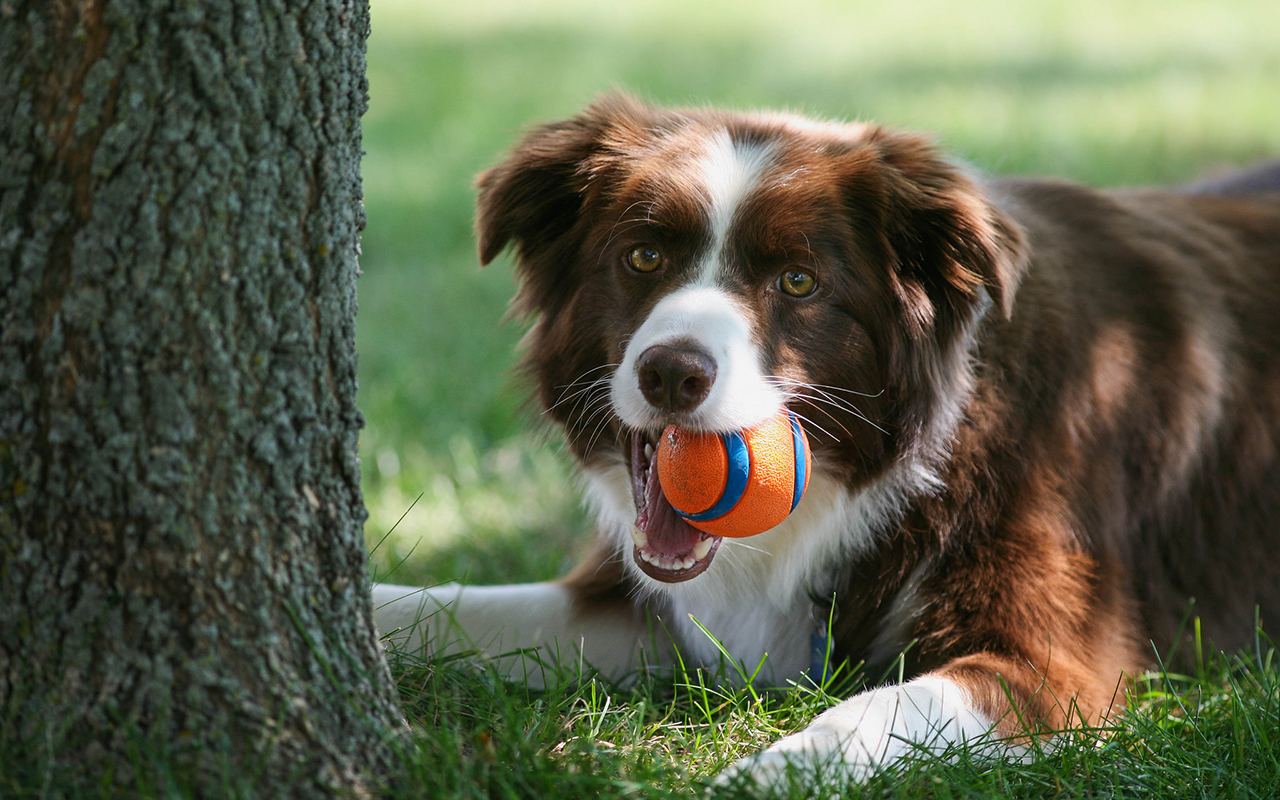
x=503, y=514
x=1212, y=735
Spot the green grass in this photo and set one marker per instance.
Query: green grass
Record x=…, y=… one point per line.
x=1102, y=91
x=1214, y=735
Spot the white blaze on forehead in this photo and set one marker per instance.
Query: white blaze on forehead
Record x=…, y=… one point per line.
x=728, y=172
x=705, y=315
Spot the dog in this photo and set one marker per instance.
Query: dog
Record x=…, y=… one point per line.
x=1044, y=420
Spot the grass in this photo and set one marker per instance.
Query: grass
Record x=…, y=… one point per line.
x=1213, y=735
x=1106, y=92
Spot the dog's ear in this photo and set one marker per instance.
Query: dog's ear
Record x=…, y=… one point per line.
x=536, y=195
x=946, y=240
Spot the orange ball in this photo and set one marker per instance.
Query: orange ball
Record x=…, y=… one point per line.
x=735, y=484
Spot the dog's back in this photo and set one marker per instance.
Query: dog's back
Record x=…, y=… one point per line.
x=1257, y=180
x=1116, y=472
x=1217, y=543
x=1165, y=392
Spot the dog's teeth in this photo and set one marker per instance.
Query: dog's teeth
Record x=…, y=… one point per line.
x=663, y=562
x=698, y=553
x=648, y=450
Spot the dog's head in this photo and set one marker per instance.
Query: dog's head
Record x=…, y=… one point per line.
x=707, y=268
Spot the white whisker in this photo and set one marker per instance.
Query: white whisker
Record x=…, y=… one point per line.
x=791, y=381
x=745, y=546
x=811, y=424
x=629, y=222
x=606, y=416
x=820, y=395
x=580, y=381
x=598, y=414
x=590, y=404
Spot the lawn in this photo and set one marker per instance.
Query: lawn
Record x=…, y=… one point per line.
x=1110, y=93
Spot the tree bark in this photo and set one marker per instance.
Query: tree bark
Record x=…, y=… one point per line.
x=183, y=590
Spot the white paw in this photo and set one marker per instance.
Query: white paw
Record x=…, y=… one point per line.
x=850, y=741
x=815, y=757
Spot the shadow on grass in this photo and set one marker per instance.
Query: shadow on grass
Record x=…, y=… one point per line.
x=1212, y=735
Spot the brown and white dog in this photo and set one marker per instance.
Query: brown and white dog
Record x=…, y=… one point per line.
x=1045, y=419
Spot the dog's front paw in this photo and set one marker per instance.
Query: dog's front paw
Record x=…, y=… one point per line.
x=850, y=741
x=814, y=756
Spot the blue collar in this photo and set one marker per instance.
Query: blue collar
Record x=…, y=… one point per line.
x=822, y=613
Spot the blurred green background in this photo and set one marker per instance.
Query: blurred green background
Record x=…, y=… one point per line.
x=1104, y=91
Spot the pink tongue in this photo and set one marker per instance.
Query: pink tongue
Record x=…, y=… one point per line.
x=668, y=534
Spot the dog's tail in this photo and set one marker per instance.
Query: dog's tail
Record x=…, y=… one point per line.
x=1259, y=179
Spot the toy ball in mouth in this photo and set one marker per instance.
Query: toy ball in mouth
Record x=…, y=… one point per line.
x=739, y=483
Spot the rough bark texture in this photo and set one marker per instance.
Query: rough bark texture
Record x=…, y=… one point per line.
x=182, y=572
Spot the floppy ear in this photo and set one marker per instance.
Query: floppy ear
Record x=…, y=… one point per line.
x=535, y=196
x=535, y=199
x=946, y=239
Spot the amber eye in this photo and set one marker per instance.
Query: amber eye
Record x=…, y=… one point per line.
x=797, y=283
x=644, y=259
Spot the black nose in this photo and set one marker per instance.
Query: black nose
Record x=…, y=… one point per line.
x=675, y=378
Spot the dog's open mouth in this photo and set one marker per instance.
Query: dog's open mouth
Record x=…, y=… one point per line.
x=666, y=547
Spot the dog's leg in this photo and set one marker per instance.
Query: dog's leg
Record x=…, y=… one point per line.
x=851, y=740
x=534, y=631
x=1016, y=669
x=984, y=703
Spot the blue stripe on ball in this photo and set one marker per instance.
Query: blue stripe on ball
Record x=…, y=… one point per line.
x=802, y=461
x=735, y=482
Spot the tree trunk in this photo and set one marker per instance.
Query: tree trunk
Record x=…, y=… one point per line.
x=183, y=591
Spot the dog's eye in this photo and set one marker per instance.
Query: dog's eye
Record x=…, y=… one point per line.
x=797, y=283
x=644, y=259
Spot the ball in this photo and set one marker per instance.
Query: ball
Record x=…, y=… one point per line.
x=739, y=483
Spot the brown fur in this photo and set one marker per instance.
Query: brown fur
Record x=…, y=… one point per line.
x=1114, y=468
